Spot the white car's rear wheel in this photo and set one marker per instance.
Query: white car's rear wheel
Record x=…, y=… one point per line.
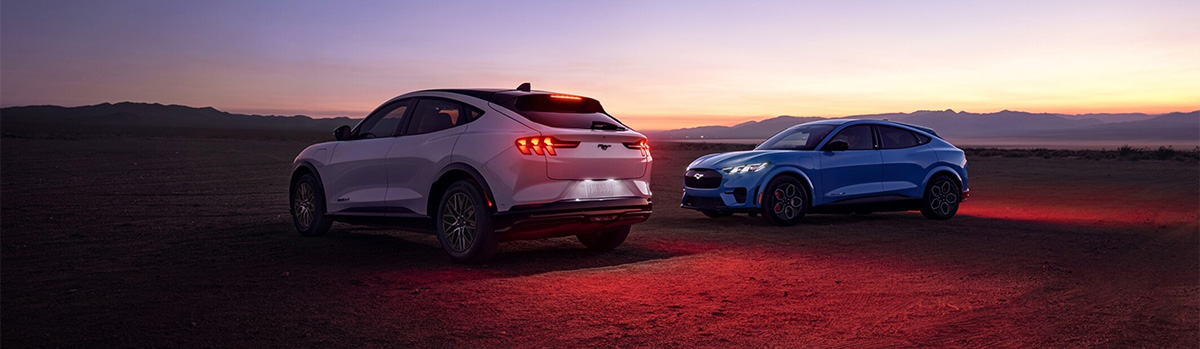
x=464, y=224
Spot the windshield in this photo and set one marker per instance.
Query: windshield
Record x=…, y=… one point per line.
x=797, y=138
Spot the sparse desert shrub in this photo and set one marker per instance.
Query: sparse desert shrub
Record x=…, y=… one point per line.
x=1164, y=153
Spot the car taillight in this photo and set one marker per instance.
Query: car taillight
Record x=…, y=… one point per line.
x=566, y=97
x=542, y=145
x=642, y=145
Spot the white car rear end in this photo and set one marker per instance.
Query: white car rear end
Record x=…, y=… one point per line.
x=496, y=165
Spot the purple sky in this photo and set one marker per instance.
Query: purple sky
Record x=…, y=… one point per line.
x=654, y=64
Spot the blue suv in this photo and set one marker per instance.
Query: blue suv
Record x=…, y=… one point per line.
x=832, y=166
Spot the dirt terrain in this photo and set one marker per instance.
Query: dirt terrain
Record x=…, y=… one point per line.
x=186, y=242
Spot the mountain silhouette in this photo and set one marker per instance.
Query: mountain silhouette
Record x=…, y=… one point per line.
x=1003, y=124
x=951, y=124
x=157, y=115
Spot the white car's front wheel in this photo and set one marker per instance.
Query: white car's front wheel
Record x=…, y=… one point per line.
x=464, y=224
x=308, y=206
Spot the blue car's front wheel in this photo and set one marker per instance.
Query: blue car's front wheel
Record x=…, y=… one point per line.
x=785, y=201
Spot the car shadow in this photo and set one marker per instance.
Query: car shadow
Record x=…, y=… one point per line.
x=418, y=258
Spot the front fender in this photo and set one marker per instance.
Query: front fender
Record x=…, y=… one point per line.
x=781, y=170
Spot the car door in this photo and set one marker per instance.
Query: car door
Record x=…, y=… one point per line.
x=906, y=158
x=424, y=148
x=851, y=173
x=356, y=175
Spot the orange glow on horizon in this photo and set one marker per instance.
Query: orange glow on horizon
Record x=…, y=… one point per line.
x=653, y=65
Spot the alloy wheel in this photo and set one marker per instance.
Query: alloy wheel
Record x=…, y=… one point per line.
x=304, y=205
x=788, y=201
x=459, y=221
x=942, y=198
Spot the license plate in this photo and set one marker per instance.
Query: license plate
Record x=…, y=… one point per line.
x=599, y=189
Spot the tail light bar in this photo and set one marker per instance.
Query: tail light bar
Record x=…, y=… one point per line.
x=566, y=97
x=542, y=145
x=642, y=145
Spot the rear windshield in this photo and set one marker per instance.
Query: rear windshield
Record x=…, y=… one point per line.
x=797, y=138
x=564, y=111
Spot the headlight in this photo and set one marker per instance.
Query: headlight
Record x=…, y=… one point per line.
x=747, y=168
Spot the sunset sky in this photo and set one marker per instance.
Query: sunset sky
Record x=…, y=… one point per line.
x=654, y=64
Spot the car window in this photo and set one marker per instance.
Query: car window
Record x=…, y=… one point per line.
x=857, y=136
x=384, y=123
x=797, y=138
x=472, y=113
x=921, y=139
x=895, y=138
x=431, y=115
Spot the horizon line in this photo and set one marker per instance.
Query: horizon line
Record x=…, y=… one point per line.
x=282, y=113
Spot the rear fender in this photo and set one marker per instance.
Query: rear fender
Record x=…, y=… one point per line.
x=939, y=169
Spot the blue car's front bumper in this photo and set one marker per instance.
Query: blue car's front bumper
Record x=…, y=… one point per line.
x=732, y=193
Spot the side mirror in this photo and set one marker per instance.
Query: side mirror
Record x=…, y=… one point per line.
x=838, y=145
x=342, y=133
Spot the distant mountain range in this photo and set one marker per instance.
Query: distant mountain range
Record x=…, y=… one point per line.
x=1015, y=125
x=1004, y=124
x=158, y=115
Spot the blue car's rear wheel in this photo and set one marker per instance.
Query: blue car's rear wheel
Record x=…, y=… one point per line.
x=942, y=197
x=785, y=201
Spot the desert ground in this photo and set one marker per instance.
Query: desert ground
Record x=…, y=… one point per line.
x=148, y=240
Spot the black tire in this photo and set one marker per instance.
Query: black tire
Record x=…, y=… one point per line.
x=604, y=240
x=307, y=198
x=464, y=224
x=716, y=214
x=785, y=202
x=942, y=196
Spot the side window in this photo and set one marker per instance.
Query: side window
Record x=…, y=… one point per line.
x=921, y=139
x=473, y=113
x=385, y=123
x=895, y=138
x=432, y=115
x=858, y=137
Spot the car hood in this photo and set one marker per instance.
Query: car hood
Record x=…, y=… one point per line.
x=721, y=160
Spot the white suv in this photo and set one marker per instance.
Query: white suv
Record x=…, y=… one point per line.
x=479, y=166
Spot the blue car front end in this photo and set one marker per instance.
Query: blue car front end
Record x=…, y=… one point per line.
x=733, y=182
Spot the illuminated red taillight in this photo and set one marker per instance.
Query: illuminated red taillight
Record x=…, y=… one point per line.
x=542, y=145
x=642, y=145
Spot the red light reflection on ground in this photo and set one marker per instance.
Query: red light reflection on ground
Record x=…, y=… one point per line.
x=1132, y=215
